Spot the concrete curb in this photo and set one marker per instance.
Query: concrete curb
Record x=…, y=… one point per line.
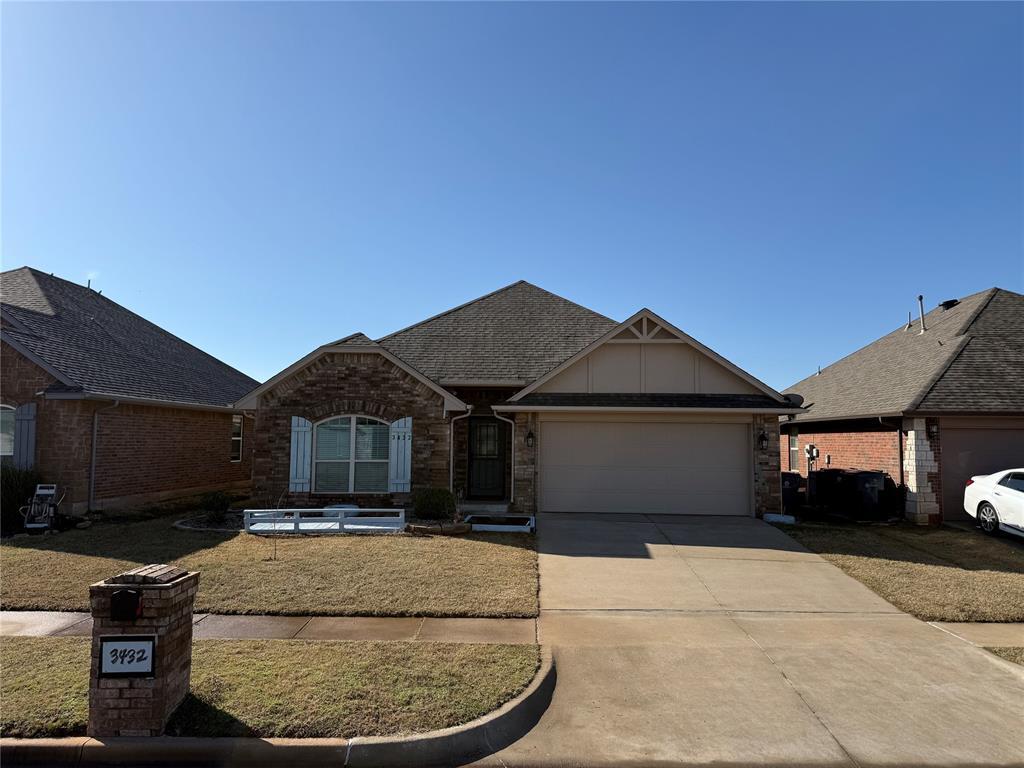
x=458, y=745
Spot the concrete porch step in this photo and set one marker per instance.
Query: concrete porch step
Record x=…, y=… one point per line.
x=484, y=508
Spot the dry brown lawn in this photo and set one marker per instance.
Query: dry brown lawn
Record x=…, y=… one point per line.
x=1016, y=655
x=491, y=575
x=278, y=688
x=943, y=574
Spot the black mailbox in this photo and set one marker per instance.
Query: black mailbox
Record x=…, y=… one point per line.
x=126, y=605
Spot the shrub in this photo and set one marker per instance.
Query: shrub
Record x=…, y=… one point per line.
x=216, y=505
x=434, y=504
x=17, y=486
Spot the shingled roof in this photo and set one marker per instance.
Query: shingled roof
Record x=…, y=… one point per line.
x=96, y=346
x=969, y=360
x=515, y=334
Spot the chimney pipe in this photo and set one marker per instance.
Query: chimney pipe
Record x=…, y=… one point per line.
x=920, y=306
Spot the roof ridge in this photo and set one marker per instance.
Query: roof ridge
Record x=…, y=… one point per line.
x=570, y=301
x=978, y=310
x=453, y=309
x=93, y=293
x=351, y=336
x=961, y=345
x=903, y=328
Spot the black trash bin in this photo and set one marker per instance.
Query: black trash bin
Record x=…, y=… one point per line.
x=793, y=490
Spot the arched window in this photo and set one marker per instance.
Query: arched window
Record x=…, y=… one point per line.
x=350, y=455
x=6, y=431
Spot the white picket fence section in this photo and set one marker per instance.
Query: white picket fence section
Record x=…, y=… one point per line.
x=264, y=521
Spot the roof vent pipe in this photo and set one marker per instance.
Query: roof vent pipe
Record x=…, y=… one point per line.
x=920, y=307
x=910, y=323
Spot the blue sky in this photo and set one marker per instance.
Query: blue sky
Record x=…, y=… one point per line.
x=778, y=180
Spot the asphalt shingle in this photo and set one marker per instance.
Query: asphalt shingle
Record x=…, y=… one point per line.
x=517, y=333
x=99, y=346
x=970, y=359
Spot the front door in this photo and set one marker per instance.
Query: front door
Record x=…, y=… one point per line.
x=486, y=459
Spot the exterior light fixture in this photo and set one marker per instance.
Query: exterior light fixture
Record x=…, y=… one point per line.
x=762, y=441
x=529, y=439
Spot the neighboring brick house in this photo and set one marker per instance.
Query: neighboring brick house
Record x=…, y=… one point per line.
x=521, y=399
x=929, y=408
x=112, y=408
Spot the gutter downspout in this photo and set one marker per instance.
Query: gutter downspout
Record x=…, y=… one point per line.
x=451, y=446
x=92, y=451
x=512, y=484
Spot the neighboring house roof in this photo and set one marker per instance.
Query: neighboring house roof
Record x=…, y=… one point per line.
x=970, y=359
x=511, y=336
x=650, y=400
x=93, y=345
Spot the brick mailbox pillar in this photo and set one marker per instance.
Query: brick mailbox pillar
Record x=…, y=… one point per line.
x=141, y=649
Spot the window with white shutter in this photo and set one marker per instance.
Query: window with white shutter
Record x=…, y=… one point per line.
x=351, y=455
x=301, y=455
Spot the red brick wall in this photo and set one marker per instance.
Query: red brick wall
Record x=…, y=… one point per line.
x=877, y=450
x=348, y=384
x=63, y=427
x=145, y=450
x=144, y=453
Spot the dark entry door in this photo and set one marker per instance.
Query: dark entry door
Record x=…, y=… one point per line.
x=486, y=459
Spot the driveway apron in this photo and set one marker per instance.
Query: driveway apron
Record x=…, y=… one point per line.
x=697, y=641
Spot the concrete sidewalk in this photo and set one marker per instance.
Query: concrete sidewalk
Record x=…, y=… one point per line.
x=211, y=626
x=690, y=641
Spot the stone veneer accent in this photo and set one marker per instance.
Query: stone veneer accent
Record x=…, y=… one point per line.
x=767, y=477
x=349, y=383
x=921, y=461
x=140, y=706
x=526, y=464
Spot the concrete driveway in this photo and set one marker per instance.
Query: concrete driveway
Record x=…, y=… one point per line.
x=697, y=641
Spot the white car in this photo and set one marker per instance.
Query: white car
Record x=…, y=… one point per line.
x=997, y=501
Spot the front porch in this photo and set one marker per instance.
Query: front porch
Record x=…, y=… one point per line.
x=483, y=454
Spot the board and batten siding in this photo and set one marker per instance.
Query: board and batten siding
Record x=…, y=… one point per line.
x=657, y=367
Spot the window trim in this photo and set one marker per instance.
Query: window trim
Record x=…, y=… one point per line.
x=351, y=460
x=13, y=441
x=241, y=432
x=794, y=437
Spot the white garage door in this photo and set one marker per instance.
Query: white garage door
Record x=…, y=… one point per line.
x=656, y=467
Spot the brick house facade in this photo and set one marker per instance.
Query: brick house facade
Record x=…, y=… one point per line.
x=144, y=454
x=456, y=383
x=931, y=404
x=113, y=409
x=348, y=384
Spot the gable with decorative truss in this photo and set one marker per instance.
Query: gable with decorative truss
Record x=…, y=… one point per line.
x=646, y=354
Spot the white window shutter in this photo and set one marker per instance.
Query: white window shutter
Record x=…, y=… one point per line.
x=301, y=455
x=400, y=456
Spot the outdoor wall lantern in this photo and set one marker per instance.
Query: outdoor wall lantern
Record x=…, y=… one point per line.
x=529, y=439
x=762, y=441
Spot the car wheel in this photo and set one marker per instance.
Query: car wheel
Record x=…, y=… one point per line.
x=987, y=518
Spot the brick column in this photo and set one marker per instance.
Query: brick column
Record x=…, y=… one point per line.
x=142, y=705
